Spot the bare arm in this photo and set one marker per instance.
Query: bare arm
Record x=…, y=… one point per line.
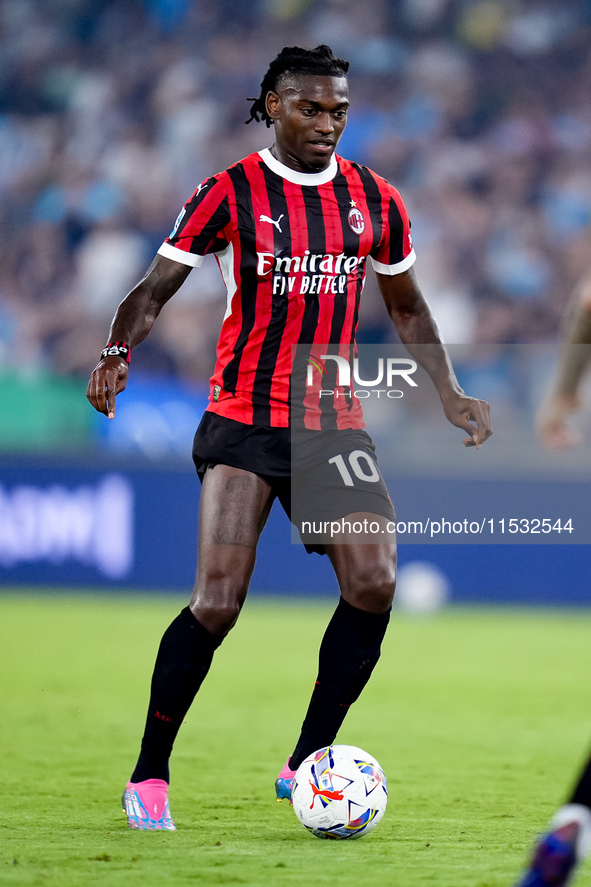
x=575, y=356
x=416, y=327
x=133, y=321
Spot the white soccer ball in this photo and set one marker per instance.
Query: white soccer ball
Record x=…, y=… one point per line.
x=339, y=792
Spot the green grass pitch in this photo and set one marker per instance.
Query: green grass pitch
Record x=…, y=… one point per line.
x=480, y=718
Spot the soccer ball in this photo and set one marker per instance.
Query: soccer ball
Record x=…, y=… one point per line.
x=339, y=792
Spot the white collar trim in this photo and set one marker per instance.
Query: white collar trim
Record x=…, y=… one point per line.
x=300, y=178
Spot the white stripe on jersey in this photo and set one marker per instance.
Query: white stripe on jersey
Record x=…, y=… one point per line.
x=398, y=268
x=226, y=262
x=180, y=255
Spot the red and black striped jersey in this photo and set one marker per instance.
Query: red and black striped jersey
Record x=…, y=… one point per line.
x=292, y=249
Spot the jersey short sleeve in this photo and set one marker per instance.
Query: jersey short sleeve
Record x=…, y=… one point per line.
x=394, y=253
x=202, y=225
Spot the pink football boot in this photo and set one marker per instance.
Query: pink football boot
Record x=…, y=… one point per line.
x=146, y=805
x=284, y=783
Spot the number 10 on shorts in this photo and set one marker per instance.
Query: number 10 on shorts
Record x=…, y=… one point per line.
x=358, y=460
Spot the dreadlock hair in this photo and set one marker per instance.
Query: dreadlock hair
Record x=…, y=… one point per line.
x=295, y=60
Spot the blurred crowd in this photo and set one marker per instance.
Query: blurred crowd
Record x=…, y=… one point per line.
x=112, y=112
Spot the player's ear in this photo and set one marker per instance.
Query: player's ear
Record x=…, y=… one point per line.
x=273, y=105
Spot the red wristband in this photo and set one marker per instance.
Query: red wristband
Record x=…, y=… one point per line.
x=117, y=349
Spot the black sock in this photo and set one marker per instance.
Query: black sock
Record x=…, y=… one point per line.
x=349, y=651
x=183, y=660
x=582, y=791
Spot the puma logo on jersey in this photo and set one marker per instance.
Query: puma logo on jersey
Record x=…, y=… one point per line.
x=273, y=222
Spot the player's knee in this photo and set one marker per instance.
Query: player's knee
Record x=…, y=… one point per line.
x=217, y=618
x=217, y=606
x=371, y=587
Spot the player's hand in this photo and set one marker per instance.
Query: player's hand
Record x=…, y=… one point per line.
x=472, y=415
x=108, y=379
x=552, y=430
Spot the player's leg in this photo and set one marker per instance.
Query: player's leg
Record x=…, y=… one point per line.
x=233, y=510
x=582, y=791
x=567, y=841
x=351, y=644
x=235, y=505
x=339, y=475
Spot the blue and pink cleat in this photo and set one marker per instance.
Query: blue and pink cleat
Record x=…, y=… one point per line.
x=284, y=783
x=146, y=805
x=560, y=850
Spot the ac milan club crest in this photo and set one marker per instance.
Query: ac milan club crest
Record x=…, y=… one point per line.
x=356, y=220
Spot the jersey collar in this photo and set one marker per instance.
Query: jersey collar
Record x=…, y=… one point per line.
x=300, y=178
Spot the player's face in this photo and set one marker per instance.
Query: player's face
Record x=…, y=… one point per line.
x=309, y=114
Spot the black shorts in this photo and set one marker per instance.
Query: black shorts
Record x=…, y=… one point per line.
x=318, y=476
